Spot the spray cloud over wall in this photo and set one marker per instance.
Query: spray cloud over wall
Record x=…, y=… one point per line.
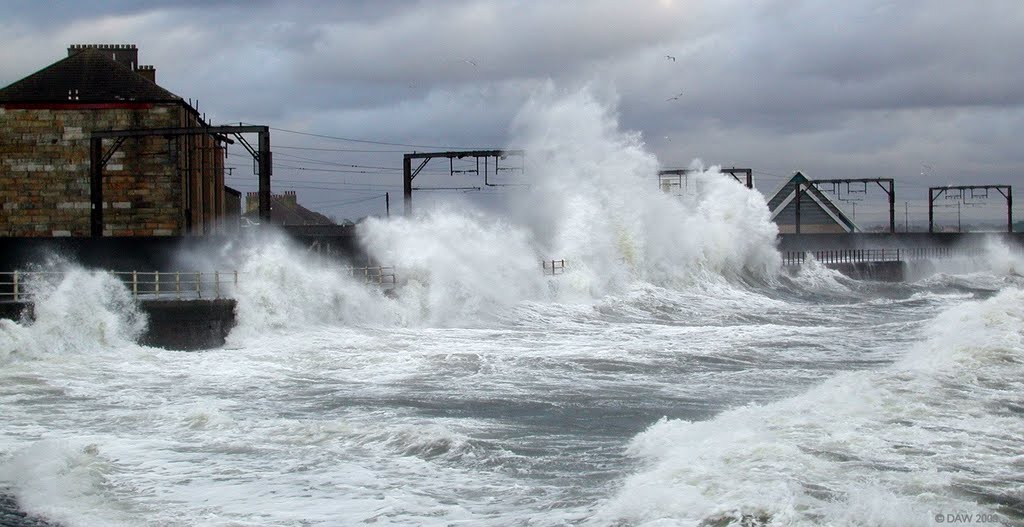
x=593, y=199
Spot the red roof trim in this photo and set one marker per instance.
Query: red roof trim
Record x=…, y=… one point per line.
x=77, y=106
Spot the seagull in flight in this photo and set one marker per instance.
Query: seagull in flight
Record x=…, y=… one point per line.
x=670, y=57
x=470, y=62
x=675, y=97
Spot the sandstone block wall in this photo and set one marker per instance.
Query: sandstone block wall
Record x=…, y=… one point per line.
x=152, y=186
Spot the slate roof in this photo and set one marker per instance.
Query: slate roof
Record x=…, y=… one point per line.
x=782, y=202
x=90, y=76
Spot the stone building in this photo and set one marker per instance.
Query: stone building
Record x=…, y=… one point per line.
x=152, y=186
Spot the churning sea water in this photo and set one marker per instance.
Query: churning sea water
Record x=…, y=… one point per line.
x=675, y=374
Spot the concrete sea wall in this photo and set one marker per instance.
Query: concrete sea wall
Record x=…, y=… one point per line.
x=186, y=325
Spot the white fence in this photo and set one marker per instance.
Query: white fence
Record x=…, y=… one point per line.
x=171, y=285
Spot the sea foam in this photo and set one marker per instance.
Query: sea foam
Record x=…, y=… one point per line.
x=881, y=447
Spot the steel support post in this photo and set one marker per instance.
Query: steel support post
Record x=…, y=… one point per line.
x=1009, y=209
x=892, y=208
x=931, y=210
x=265, y=168
x=407, y=184
x=96, y=186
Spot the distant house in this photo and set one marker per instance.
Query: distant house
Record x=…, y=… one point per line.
x=818, y=214
x=284, y=211
x=152, y=186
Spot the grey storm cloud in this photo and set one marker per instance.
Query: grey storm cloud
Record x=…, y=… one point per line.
x=839, y=89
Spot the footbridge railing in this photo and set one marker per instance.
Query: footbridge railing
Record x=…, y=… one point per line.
x=837, y=256
x=18, y=286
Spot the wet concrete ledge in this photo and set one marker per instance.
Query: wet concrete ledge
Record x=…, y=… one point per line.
x=894, y=271
x=187, y=325
x=15, y=310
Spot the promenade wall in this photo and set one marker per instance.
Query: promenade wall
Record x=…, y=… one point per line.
x=193, y=324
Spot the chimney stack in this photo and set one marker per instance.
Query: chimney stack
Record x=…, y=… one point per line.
x=126, y=54
x=149, y=72
x=252, y=201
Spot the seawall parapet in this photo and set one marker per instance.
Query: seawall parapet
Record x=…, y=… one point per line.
x=905, y=240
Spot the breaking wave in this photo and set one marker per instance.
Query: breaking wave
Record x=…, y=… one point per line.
x=72, y=310
x=890, y=447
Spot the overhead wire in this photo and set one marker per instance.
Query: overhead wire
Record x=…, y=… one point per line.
x=355, y=150
x=335, y=163
x=338, y=203
x=297, y=162
x=367, y=141
x=366, y=169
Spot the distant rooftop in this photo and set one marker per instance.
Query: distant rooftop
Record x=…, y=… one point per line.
x=284, y=210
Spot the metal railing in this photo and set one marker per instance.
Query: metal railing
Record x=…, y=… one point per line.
x=178, y=284
x=379, y=274
x=18, y=286
x=553, y=267
x=837, y=256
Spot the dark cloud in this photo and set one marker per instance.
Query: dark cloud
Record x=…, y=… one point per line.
x=838, y=89
x=59, y=12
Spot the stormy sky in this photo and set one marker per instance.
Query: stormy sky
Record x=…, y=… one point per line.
x=929, y=92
